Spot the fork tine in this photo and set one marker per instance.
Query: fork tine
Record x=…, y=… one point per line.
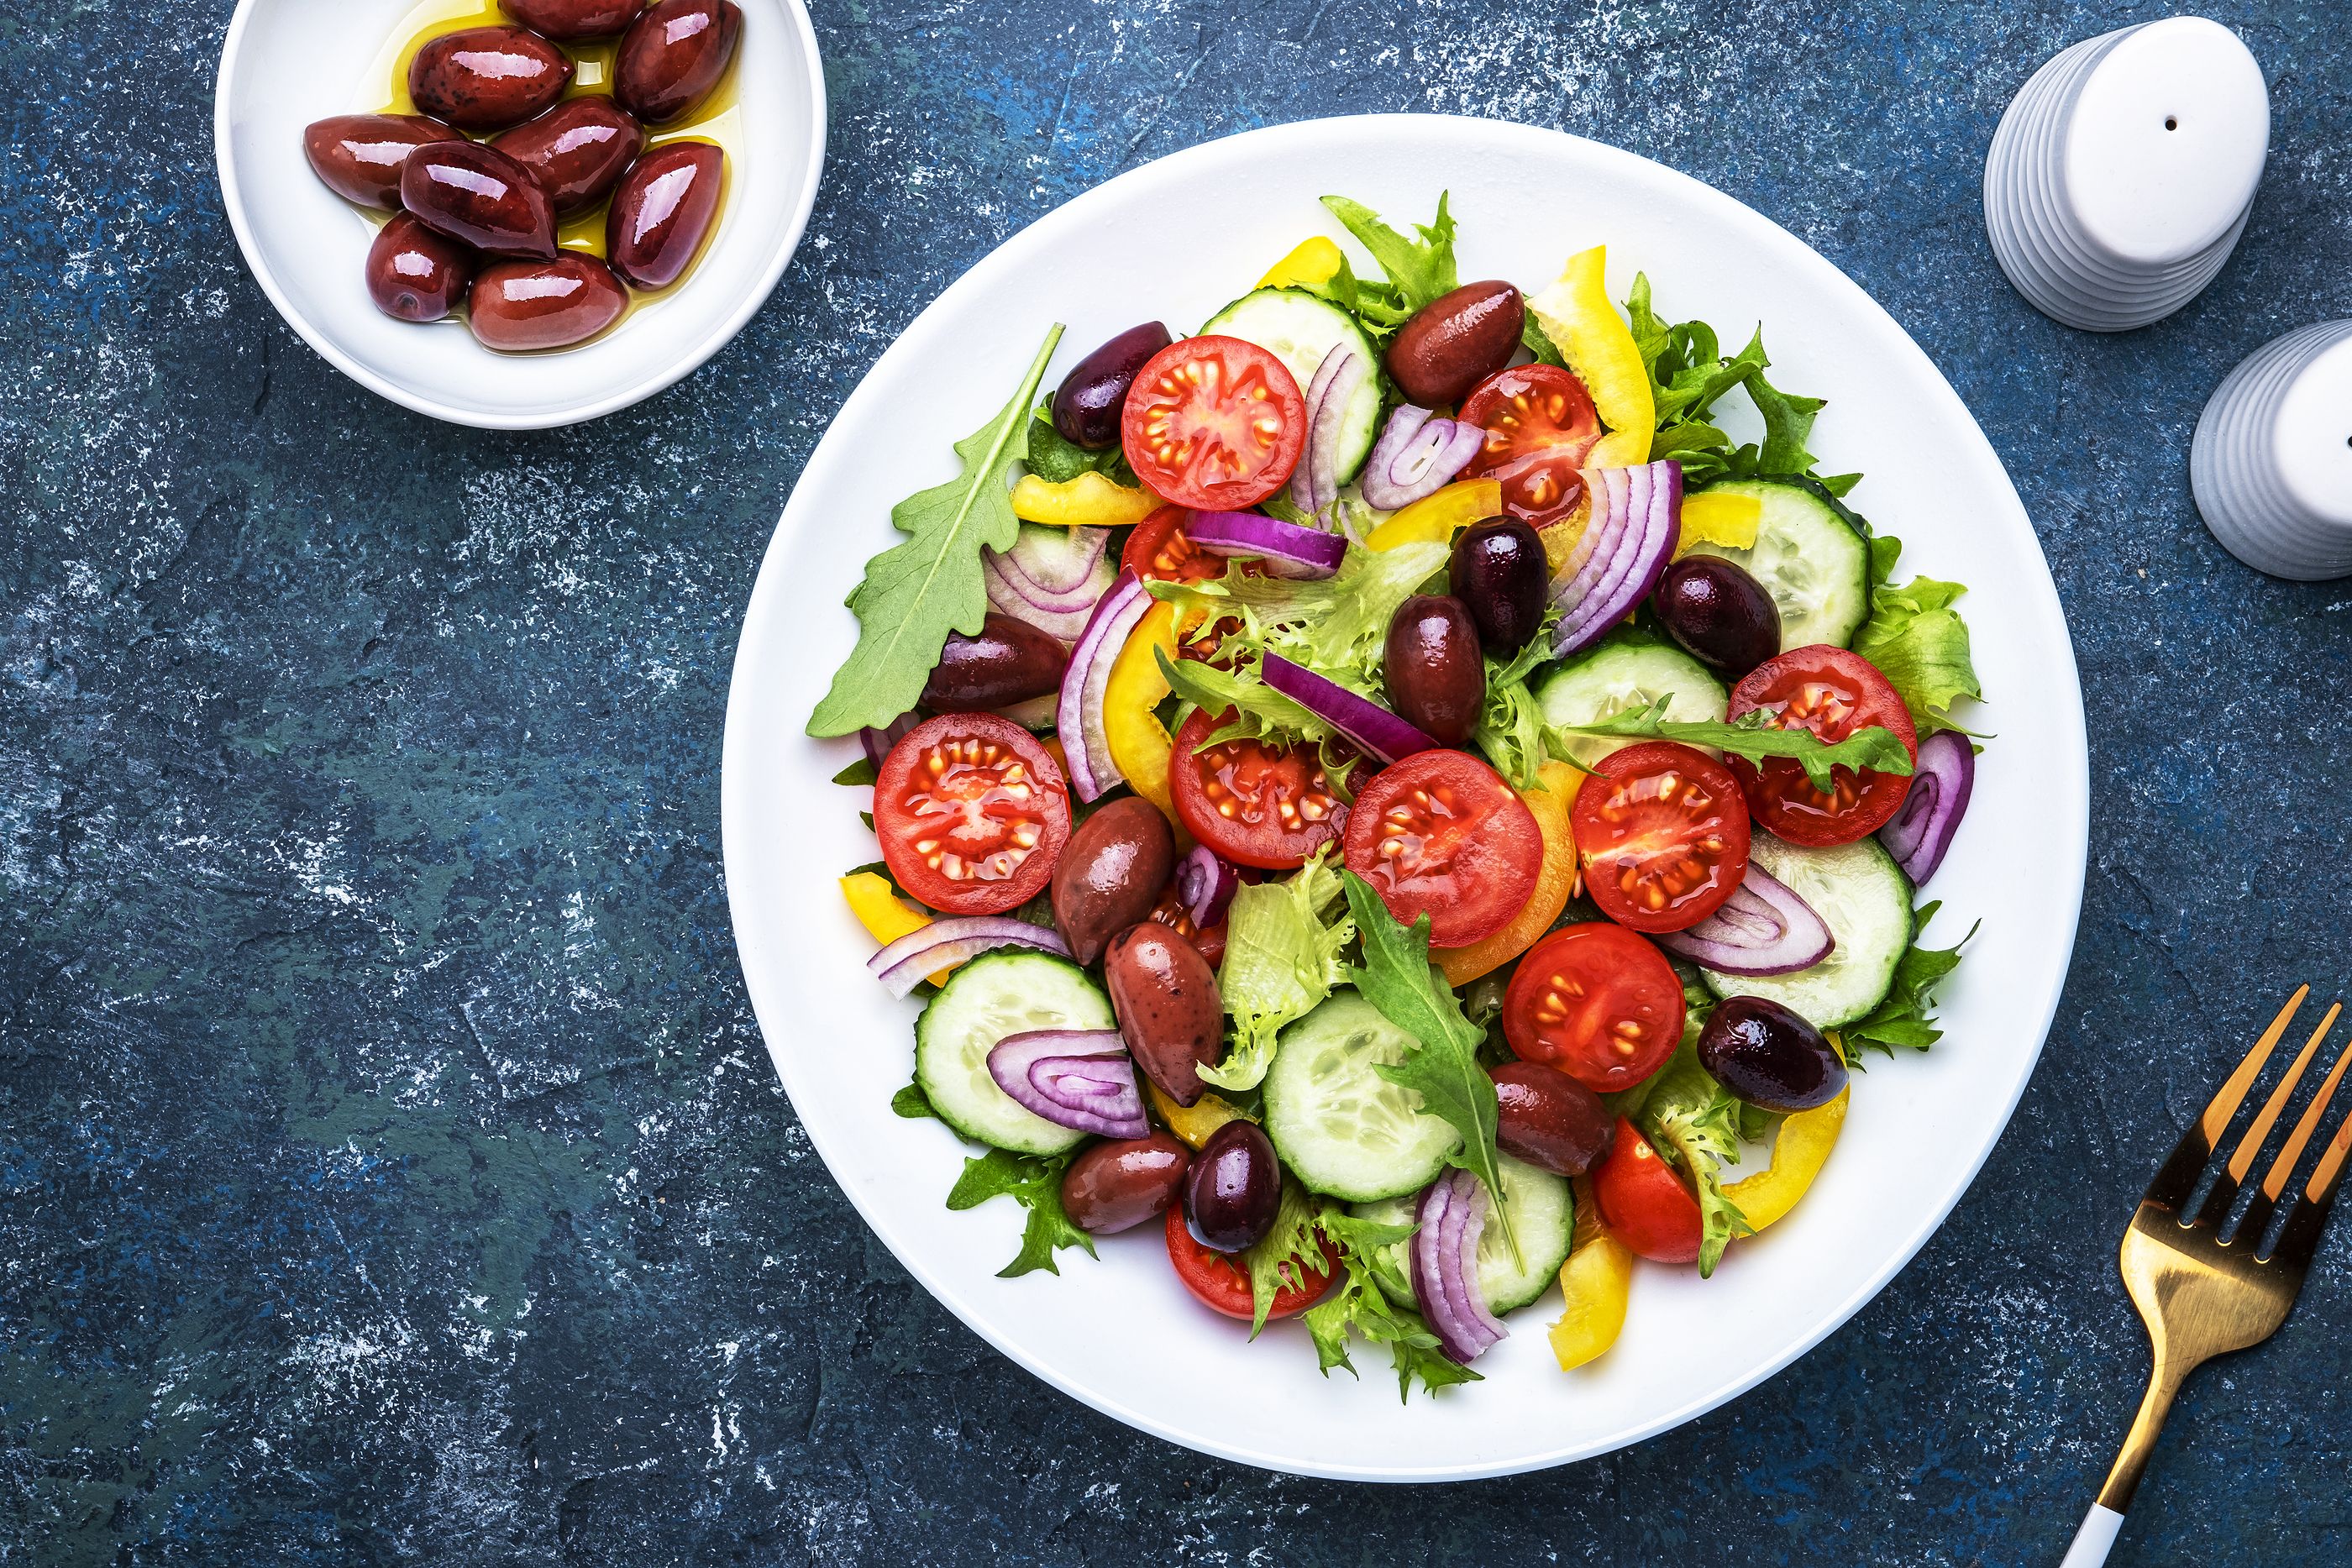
x=2297, y=1141
x=2299, y=1238
x=2178, y=1177
x=2226, y=1186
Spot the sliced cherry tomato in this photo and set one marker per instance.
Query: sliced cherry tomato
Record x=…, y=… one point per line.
x=1663, y=830
x=1253, y=803
x=1159, y=551
x=1222, y=1285
x=1833, y=692
x=1597, y=1002
x=1645, y=1203
x=1169, y=912
x=1441, y=834
x=1213, y=424
x=1539, y=423
x=971, y=813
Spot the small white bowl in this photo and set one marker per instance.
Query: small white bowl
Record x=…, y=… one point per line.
x=290, y=62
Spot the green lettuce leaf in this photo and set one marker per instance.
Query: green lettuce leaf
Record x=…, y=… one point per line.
x=912, y=1104
x=1259, y=711
x=1788, y=425
x=1418, y=270
x=1033, y=1181
x=1752, y=736
x=1511, y=729
x=1694, y=1121
x=1917, y=640
x=1283, y=942
x=1904, y=1017
x=1355, y=1304
x=1335, y=626
x=1057, y=461
x=1286, y=1256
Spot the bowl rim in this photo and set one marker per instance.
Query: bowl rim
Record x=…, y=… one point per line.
x=692, y=360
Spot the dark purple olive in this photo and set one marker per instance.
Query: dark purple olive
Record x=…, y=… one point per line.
x=519, y=306
x=1720, y=613
x=673, y=55
x=1233, y=1189
x=1455, y=341
x=661, y=212
x=1165, y=998
x=478, y=194
x=1500, y=571
x=1768, y=1056
x=1117, y=1186
x=487, y=79
x=359, y=156
x=568, y=21
x=416, y=275
x=578, y=149
x=1549, y=1120
x=1436, y=678
x=1088, y=407
x=1010, y=662
x=1111, y=874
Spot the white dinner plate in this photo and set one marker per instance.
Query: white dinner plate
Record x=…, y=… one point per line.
x=1175, y=240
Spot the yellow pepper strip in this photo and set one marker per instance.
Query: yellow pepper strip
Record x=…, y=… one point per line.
x=1311, y=264
x=1798, y=1155
x=1596, y=1281
x=1719, y=518
x=1577, y=316
x=1551, y=803
x=886, y=919
x=1192, y=1123
x=1438, y=516
x=1140, y=747
x=1088, y=501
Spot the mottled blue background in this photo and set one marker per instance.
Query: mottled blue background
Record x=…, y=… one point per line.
x=390, y=1171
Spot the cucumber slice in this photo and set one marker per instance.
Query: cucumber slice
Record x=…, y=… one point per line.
x=1626, y=672
x=1341, y=1127
x=1543, y=1214
x=994, y=996
x=1299, y=329
x=1812, y=561
x=1865, y=899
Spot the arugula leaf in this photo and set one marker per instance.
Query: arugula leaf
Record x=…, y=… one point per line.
x=1443, y=1069
x=1754, y=737
x=916, y=592
x=860, y=772
x=913, y=1103
x=1033, y=1181
x=1356, y=1305
x=1787, y=423
x=1902, y=1018
x=1695, y=1122
x=1282, y=958
x=1418, y=272
x=1917, y=640
x=1286, y=1255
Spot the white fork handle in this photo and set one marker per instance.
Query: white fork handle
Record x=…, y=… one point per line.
x=2095, y=1539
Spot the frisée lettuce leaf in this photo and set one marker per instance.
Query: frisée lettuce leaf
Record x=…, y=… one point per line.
x=1283, y=942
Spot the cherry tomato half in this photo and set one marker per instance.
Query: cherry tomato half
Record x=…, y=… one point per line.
x=1213, y=424
x=1159, y=551
x=1645, y=1203
x=1222, y=1285
x=1833, y=692
x=971, y=813
x=1597, y=1002
x=1663, y=830
x=1169, y=912
x=1539, y=423
x=1440, y=833
x=1253, y=803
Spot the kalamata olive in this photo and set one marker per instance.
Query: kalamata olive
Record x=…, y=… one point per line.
x=1167, y=1006
x=416, y=275
x=1500, y=571
x=1549, y=1120
x=487, y=79
x=578, y=149
x=1118, y=1186
x=1111, y=874
x=1010, y=662
x=359, y=156
x=661, y=212
x=673, y=55
x=523, y=305
x=1087, y=406
x=1433, y=673
x=478, y=194
x=1455, y=341
x=1712, y=607
x=568, y=21
x=1768, y=1056
x=1233, y=1189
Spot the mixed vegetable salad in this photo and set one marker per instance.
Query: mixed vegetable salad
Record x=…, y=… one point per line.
x=1386, y=789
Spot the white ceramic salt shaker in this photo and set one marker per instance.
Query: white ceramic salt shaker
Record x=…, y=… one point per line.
x=2272, y=464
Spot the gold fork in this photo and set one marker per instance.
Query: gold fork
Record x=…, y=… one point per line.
x=2200, y=1294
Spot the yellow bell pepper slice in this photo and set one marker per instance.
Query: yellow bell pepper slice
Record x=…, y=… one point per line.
x=1140, y=747
x=1577, y=316
x=1597, y=1281
x=1311, y=264
x=1438, y=516
x=1719, y=518
x=1088, y=501
x=1192, y=1123
x=886, y=919
x=1551, y=803
x=1798, y=1155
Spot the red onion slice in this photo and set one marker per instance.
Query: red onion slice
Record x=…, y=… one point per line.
x=1941, y=782
x=1079, y=718
x=1418, y=455
x=1763, y=928
x=1636, y=522
x=901, y=965
x=1374, y=730
x=1063, y=617
x=1205, y=885
x=1057, y=559
x=1308, y=489
x=1080, y=1079
x=1453, y=1217
x=1306, y=552
x=878, y=742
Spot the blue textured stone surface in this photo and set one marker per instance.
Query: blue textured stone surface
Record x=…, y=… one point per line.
x=389, y=1170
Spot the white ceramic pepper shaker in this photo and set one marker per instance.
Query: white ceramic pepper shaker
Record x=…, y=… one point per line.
x=2271, y=465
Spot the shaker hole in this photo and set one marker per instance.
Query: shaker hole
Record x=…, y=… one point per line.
x=2171, y=122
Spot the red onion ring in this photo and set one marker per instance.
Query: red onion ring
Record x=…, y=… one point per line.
x=1307, y=552
x=904, y=963
x=1636, y=522
x=1942, y=779
x=1080, y=1079
x=1060, y=616
x=878, y=742
x=1418, y=455
x=1372, y=729
x=1444, y=1250
x=1205, y=885
x=1306, y=484
x=1763, y=928
x=1079, y=717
